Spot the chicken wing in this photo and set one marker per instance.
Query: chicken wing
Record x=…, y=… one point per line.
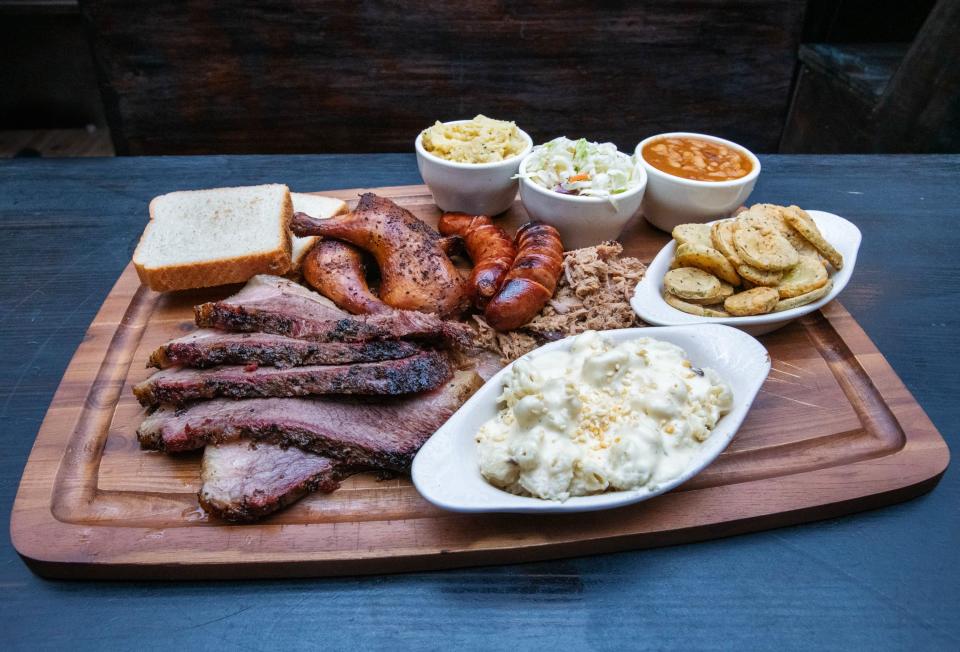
x=415, y=272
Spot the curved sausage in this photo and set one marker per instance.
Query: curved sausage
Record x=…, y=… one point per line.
x=532, y=279
x=337, y=271
x=489, y=247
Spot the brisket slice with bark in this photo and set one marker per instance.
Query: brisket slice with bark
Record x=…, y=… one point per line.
x=208, y=348
x=385, y=434
x=244, y=481
x=271, y=304
x=177, y=385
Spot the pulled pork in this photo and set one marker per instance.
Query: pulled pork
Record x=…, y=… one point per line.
x=593, y=294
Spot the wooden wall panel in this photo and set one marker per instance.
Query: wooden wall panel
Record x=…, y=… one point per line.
x=364, y=76
x=883, y=97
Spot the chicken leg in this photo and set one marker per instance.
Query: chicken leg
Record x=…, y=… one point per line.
x=336, y=270
x=415, y=272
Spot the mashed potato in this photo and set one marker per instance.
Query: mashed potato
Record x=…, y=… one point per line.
x=481, y=140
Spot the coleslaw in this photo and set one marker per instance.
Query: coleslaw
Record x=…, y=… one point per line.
x=579, y=167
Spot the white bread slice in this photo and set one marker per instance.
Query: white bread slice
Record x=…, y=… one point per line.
x=314, y=206
x=202, y=238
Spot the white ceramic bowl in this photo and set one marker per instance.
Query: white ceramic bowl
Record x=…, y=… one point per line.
x=476, y=188
x=581, y=221
x=671, y=200
x=446, y=471
x=648, y=302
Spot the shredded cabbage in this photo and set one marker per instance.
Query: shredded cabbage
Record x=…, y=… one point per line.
x=579, y=167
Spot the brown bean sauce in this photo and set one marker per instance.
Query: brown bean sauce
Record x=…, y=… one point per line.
x=696, y=159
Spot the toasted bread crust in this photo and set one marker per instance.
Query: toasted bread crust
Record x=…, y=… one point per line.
x=214, y=272
x=219, y=271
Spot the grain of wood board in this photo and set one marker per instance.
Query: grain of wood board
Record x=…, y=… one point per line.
x=832, y=431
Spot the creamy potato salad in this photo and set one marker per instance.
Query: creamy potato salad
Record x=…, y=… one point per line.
x=601, y=416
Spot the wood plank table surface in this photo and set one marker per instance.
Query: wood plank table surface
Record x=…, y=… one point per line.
x=887, y=579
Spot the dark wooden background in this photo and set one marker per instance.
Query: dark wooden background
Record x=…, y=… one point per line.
x=365, y=76
x=899, y=95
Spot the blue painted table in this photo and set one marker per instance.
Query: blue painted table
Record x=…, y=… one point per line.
x=887, y=579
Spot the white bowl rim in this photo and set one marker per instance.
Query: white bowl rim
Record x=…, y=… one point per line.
x=524, y=181
x=418, y=145
x=651, y=287
x=695, y=183
x=721, y=437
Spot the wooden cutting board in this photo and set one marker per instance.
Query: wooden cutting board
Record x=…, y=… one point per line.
x=833, y=431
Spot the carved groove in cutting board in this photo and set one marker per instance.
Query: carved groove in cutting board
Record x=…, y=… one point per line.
x=75, y=490
x=875, y=415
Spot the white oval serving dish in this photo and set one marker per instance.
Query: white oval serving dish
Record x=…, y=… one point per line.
x=446, y=470
x=648, y=301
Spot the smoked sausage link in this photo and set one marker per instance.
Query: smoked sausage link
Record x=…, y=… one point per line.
x=532, y=278
x=489, y=247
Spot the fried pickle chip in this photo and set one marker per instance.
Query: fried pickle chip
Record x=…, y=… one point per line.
x=691, y=283
x=804, y=299
x=725, y=291
x=803, y=247
x=764, y=248
x=692, y=234
x=758, y=301
x=775, y=254
x=721, y=235
x=766, y=217
x=759, y=276
x=692, y=308
x=800, y=220
x=773, y=216
x=709, y=260
x=806, y=276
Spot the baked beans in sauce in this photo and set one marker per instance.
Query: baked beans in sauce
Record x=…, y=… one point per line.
x=696, y=159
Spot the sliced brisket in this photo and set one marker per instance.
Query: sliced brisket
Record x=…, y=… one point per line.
x=177, y=385
x=244, y=481
x=208, y=348
x=271, y=304
x=382, y=435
